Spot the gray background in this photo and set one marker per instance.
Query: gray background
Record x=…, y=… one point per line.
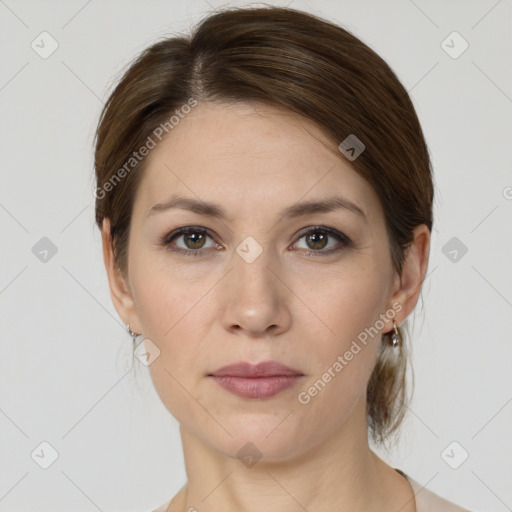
x=65, y=366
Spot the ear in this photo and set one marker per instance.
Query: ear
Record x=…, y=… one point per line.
x=119, y=288
x=408, y=285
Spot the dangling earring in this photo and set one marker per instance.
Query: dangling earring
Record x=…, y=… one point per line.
x=396, y=336
x=130, y=332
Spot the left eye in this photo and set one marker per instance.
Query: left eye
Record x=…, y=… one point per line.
x=317, y=239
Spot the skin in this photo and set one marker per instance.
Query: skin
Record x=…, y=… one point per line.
x=301, y=310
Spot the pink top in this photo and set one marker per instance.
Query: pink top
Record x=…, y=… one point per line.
x=426, y=501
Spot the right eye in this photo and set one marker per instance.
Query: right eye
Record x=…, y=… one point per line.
x=193, y=240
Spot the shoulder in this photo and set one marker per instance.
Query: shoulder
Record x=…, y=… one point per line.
x=427, y=501
x=177, y=502
x=162, y=508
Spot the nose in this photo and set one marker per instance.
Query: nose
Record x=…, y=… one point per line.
x=257, y=299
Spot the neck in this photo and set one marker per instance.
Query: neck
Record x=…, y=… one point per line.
x=342, y=473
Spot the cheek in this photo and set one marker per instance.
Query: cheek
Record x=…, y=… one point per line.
x=347, y=301
x=345, y=339
x=166, y=295
x=169, y=311
x=173, y=306
x=342, y=360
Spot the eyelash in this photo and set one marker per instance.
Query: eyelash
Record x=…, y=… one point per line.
x=345, y=241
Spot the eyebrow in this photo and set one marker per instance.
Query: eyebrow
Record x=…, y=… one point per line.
x=297, y=210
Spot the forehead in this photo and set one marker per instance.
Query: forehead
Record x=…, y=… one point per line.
x=250, y=152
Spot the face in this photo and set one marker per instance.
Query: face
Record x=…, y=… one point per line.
x=254, y=283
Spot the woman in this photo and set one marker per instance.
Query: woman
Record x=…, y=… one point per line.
x=264, y=193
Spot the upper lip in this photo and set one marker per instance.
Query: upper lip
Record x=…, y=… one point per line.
x=263, y=369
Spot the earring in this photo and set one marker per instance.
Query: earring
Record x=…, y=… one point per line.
x=130, y=332
x=396, y=336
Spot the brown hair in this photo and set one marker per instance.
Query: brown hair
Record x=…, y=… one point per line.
x=288, y=59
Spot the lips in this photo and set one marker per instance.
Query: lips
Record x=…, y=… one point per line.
x=264, y=369
x=260, y=381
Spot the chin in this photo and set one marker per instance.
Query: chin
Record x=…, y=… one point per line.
x=265, y=439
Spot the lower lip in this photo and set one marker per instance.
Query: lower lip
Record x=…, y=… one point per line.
x=257, y=387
